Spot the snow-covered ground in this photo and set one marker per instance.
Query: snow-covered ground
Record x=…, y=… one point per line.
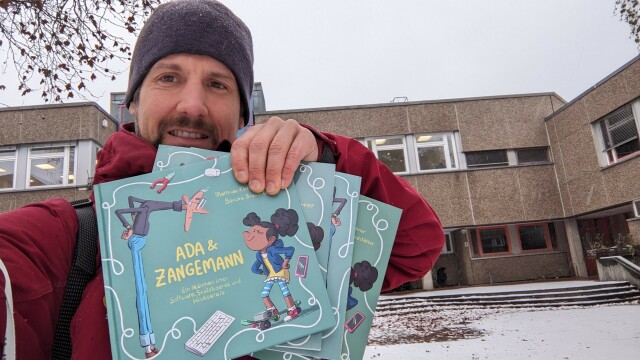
x=610, y=332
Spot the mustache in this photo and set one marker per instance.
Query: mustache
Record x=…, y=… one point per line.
x=198, y=124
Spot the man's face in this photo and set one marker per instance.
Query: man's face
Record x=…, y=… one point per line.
x=188, y=100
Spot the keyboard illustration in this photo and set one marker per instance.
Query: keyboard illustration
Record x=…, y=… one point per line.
x=209, y=333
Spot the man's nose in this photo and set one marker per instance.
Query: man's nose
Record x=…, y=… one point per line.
x=192, y=101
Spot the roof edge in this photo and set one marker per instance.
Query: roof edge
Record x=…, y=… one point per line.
x=60, y=105
x=439, y=101
x=584, y=93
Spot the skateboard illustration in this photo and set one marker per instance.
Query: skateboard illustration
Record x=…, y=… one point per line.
x=263, y=319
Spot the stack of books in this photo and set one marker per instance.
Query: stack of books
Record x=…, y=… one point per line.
x=196, y=265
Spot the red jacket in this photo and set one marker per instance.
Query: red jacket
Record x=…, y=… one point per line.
x=37, y=243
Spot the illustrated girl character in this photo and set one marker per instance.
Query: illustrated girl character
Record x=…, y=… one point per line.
x=362, y=276
x=262, y=237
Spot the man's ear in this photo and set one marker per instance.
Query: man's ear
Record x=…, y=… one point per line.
x=271, y=240
x=133, y=109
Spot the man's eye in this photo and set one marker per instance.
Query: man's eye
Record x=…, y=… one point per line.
x=216, y=85
x=168, y=78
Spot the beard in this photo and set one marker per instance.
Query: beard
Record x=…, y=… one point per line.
x=198, y=124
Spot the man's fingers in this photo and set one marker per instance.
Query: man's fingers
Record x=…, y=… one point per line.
x=302, y=148
x=267, y=155
x=281, y=159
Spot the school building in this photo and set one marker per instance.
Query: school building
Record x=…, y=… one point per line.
x=524, y=184
x=50, y=151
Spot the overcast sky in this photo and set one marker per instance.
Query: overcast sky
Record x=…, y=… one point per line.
x=324, y=53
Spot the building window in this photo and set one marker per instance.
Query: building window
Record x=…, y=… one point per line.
x=53, y=166
x=7, y=169
x=491, y=240
x=535, y=236
x=448, y=244
x=532, y=156
x=487, y=158
x=618, y=133
x=436, y=152
x=392, y=151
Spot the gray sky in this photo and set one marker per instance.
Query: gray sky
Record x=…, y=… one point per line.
x=322, y=53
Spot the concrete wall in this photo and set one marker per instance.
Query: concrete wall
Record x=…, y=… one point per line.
x=44, y=124
x=491, y=270
x=468, y=197
x=617, y=268
x=47, y=124
x=14, y=200
x=491, y=196
x=634, y=229
x=484, y=123
x=584, y=185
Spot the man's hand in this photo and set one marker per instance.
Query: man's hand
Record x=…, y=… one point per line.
x=267, y=155
x=285, y=264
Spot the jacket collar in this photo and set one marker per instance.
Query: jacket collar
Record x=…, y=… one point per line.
x=125, y=154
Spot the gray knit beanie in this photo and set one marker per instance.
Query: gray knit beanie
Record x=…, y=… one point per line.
x=203, y=27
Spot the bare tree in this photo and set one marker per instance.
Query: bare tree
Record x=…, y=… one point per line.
x=629, y=11
x=59, y=46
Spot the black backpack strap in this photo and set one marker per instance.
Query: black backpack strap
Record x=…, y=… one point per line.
x=83, y=269
x=327, y=155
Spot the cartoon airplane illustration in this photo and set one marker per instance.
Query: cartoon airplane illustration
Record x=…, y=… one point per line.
x=193, y=205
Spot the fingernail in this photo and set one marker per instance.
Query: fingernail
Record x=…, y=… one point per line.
x=242, y=176
x=254, y=185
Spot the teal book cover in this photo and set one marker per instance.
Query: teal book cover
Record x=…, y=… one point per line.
x=314, y=183
x=344, y=217
x=169, y=156
x=196, y=265
x=375, y=232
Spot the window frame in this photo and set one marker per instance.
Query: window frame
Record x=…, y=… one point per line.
x=544, y=148
x=64, y=154
x=506, y=163
x=448, y=240
x=375, y=148
x=609, y=156
x=478, y=241
x=13, y=158
x=547, y=236
x=448, y=143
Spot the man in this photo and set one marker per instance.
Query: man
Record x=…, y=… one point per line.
x=190, y=82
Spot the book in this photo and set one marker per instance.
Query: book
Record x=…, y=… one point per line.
x=204, y=252
x=342, y=233
x=376, y=229
x=314, y=182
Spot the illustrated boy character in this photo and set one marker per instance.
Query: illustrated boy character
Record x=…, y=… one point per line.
x=335, y=219
x=136, y=236
x=262, y=237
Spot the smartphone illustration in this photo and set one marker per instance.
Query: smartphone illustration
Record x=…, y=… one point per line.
x=302, y=265
x=355, y=321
